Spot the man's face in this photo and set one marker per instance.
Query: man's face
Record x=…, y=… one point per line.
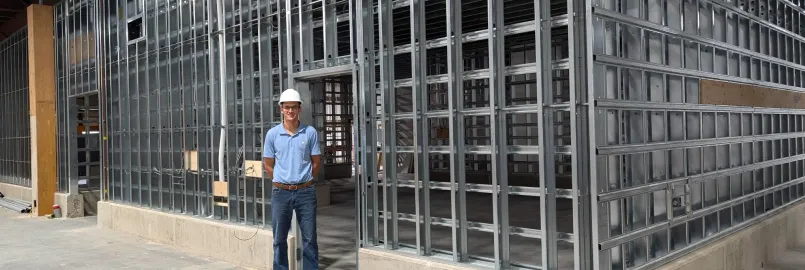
x=290, y=110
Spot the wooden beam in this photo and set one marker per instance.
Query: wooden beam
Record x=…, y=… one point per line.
x=42, y=98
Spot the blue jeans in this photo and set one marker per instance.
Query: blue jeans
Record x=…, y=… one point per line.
x=283, y=204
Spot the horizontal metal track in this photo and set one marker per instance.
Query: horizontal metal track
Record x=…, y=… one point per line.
x=660, y=146
x=486, y=149
x=633, y=191
x=476, y=150
x=324, y=72
x=473, y=112
x=484, y=188
x=513, y=29
x=643, y=105
x=631, y=236
x=518, y=109
x=484, y=227
x=180, y=191
x=626, y=19
x=520, y=69
x=643, y=65
x=733, y=8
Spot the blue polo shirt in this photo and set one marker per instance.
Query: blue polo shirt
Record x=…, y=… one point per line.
x=291, y=153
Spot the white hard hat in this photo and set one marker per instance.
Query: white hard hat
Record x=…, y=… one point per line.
x=289, y=95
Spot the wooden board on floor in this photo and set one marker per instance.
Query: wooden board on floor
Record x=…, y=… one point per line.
x=733, y=94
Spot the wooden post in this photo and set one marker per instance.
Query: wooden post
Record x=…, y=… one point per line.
x=42, y=98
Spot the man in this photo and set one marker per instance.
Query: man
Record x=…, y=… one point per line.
x=292, y=158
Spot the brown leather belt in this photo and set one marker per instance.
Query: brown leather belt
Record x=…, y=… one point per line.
x=293, y=187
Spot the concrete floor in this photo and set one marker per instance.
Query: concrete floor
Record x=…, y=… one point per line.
x=41, y=243
x=793, y=259
x=80, y=244
x=336, y=228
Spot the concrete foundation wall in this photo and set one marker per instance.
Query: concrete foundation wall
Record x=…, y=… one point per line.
x=72, y=206
x=16, y=192
x=750, y=249
x=216, y=240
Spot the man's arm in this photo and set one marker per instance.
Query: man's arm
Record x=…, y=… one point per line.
x=268, y=155
x=268, y=164
x=316, y=164
x=315, y=153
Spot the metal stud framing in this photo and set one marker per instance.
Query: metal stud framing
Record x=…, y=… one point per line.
x=15, y=136
x=165, y=65
x=514, y=134
x=465, y=126
x=79, y=103
x=662, y=188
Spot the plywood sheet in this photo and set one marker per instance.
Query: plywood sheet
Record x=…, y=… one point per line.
x=733, y=94
x=81, y=47
x=191, y=160
x=253, y=168
x=220, y=189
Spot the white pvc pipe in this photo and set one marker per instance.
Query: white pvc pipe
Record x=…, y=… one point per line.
x=222, y=90
x=211, y=67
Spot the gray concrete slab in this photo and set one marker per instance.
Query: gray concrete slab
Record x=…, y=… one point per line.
x=336, y=225
x=793, y=259
x=41, y=243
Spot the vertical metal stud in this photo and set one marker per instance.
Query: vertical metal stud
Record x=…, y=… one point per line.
x=420, y=121
x=497, y=116
x=458, y=195
x=583, y=134
x=360, y=199
x=365, y=121
x=388, y=94
x=329, y=26
x=546, y=136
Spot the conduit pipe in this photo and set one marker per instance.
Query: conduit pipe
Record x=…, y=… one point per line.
x=222, y=89
x=211, y=67
x=15, y=205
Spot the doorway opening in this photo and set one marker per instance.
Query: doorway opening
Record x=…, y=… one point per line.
x=332, y=104
x=81, y=144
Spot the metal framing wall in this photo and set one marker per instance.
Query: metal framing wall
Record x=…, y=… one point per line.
x=164, y=67
x=78, y=98
x=672, y=174
x=462, y=92
x=15, y=136
x=521, y=134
